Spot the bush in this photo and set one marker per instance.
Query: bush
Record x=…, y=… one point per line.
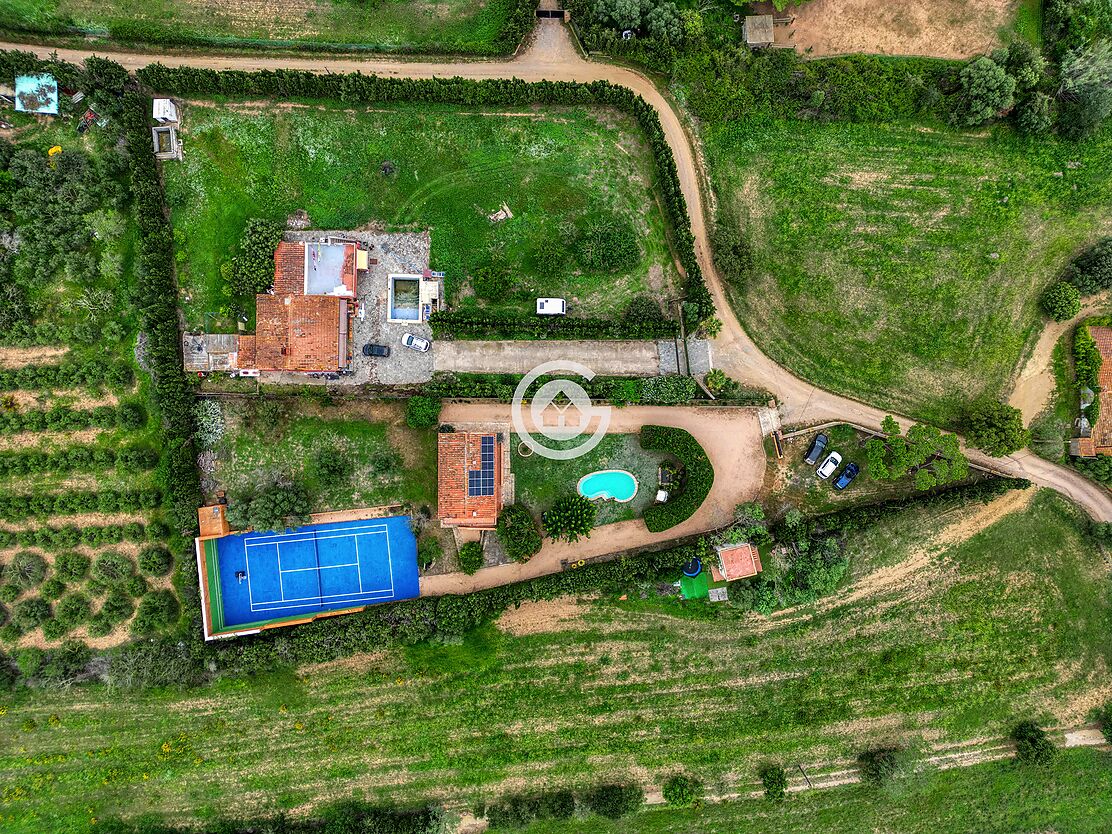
x=330, y=465
x=1031, y=744
x=209, y=417
x=878, y=765
x=519, y=810
x=157, y=610
x=775, y=780
x=131, y=416
x=30, y=613
x=570, y=518
x=986, y=89
x=272, y=508
x=26, y=570
x=9, y=592
x=613, y=801
x=1034, y=116
x=682, y=791
x=518, y=532
x=135, y=586
x=422, y=412
x=669, y=390
x=112, y=568
x=1103, y=717
x=155, y=561
x=1091, y=271
x=116, y=608
x=608, y=245
x=71, y=566
x=1061, y=301
x=696, y=479
x=470, y=557
x=72, y=610
x=253, y=266
x=52, y=588
x=995, y=427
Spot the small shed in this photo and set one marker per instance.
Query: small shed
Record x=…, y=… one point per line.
x=210, y=351
x=165, y=111
x=757, y=30
x=166, y=143
x=36, y=94
x=736, y=561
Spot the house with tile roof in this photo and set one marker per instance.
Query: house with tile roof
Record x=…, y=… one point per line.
x=1096, y=439
x=469, y=479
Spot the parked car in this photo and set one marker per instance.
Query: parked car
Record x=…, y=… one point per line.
x=415, y=342
x=551, y=306
x=827, y=467
x=847, y=476
x=375, y=350
x=817, y=446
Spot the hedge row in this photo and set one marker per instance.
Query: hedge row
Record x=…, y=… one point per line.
x=486, y=324
x=59, y=418
x=617, y=390
x=156, y=299
x=356, y=87
x=78, y=458
x=67, y=375
x=695, y=483
x=15, y=507
x=63, y=538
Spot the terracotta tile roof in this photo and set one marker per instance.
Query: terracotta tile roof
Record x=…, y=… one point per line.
x=348, y=274
x=1100, y=443
x=300, y=332
x=457, y=454
x=736, y=561
x=245, y=347
x=289, y=268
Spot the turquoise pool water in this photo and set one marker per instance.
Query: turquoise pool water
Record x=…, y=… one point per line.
x=615, y=484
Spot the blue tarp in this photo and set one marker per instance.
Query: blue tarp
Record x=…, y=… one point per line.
x=36, y=94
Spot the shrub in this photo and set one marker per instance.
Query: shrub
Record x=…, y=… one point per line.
x=274, y=507
x=26, y=570
x=470, y=557
x=1025, y=64
x=135, y=586
x=570, y=518
x=428, y=551
x=155, y=561
x=1103, y=717
x=1034, y=116
x=71, y=566
x=131, y=416
x=422, y=412
x=253, y=265
x=9, y=592
x=1061, y=301
x=116, y=608
x=330, y=465
x=986, y=89
x=158, y=531
x=1031, y=744
x=209, y=418
x=696, y=479
x=669, y=390
x=112, y=568
x=613, y=801
x=157, y=610
x=1091, y=271
x=30, y=613
x=267, y=415
x=995, y=427
x=682, y=791
x=518, y=532
x=775, y=780
x=52, y=588
x=878, y=764
x=608, y=245
x=519, y=810
x=72, y=610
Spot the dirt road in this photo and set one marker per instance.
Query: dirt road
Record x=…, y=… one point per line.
x=551, y=56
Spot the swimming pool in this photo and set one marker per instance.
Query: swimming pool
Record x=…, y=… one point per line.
x=613, y=484
x=405, y=297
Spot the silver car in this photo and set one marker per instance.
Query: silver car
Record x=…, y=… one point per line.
x=414, y=342
x=832, y=462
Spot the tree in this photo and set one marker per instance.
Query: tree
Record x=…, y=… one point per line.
x=1091, y=271
x=1034, y=116
x=1061, y=301
x=470, y=557
x=995, y=427
x=986, y=89
x=619, y=14
x=570, y=518
x=422, y=412
x=253, y=266
x=663, y=22
x=273, y=508
x=1031, y=744
x=1085, y=88
x=774, y=779
x=682, y=791
x=924, y=449
x=518, y=532
x=1025, y=64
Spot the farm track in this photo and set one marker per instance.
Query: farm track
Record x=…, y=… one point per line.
x=551, y=56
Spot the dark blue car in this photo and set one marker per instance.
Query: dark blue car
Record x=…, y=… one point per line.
x=847, y=476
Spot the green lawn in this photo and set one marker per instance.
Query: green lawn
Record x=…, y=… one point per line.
x=388, y=462
x=901, y=264
x=1071, y=796
x=557, y=169
x=466, y=26
x=1011, y=623
x=540, y=482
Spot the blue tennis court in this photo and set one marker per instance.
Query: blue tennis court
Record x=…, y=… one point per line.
x=319, y=567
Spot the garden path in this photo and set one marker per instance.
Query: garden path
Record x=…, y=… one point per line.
x=550, y=55
x=633, y=358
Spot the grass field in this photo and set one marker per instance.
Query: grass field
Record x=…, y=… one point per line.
x=1069, y=797
x=387, y=462
x=557, y=169
x=1005, y=623
x=470, y=26
x=540, y=482
x=901, y=265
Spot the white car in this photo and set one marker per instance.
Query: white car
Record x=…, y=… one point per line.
x=551, y=306
x=414, y=342
x=832, y=462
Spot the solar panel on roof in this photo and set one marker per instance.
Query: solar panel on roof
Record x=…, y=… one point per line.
x=480, y=482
